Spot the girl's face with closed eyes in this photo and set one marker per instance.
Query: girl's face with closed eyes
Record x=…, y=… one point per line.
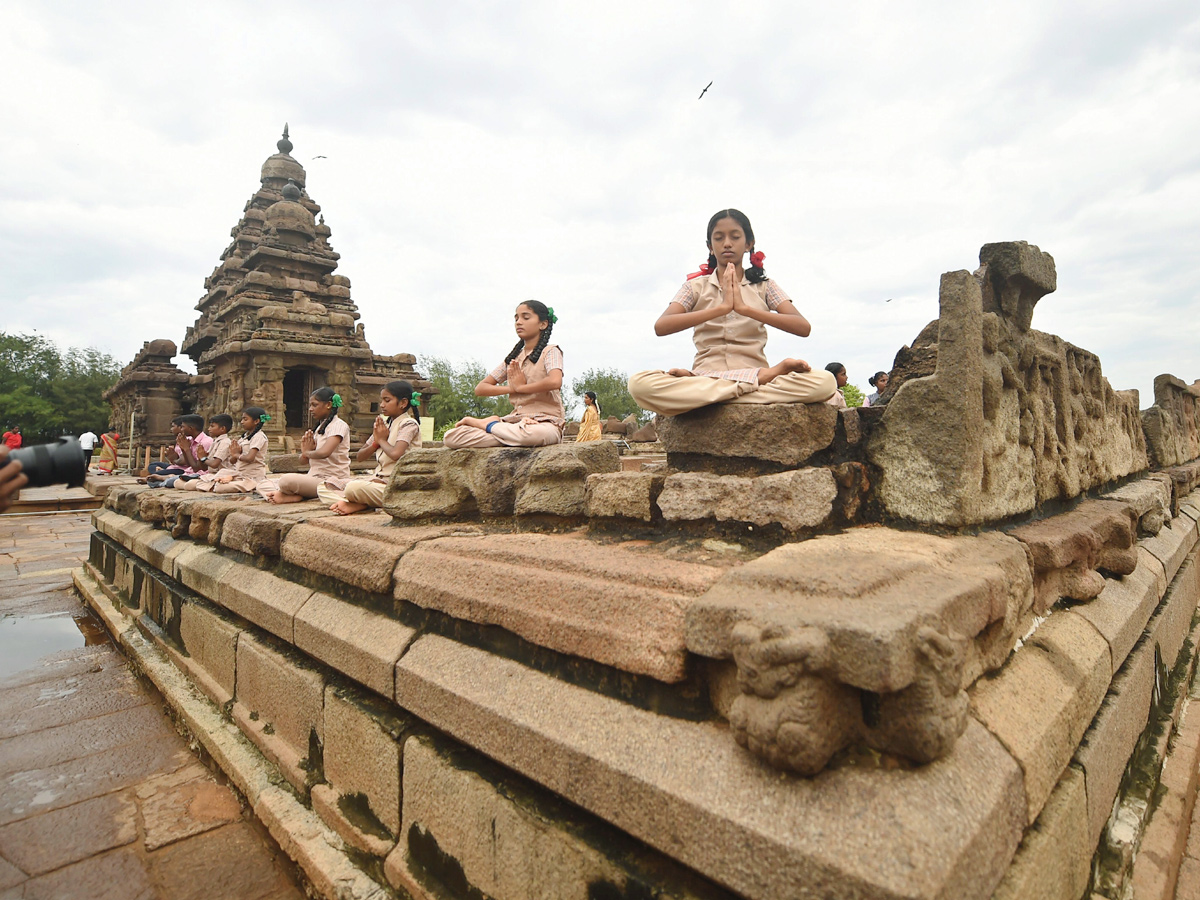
x=389, y=405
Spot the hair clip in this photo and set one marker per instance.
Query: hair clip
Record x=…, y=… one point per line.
x=705, y=269
x=336, y=401
x=416, y=399
x=551, y=316
x=264, y=418
x=756, y=259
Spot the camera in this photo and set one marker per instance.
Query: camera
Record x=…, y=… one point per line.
x=46, y=464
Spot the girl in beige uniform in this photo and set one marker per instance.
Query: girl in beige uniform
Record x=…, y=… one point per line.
x=727, y=308
x=247, y=455
x=390, y=439
x=327, y=451
x=532, y=377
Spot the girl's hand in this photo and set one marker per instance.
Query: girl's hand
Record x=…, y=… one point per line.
x=739, y=302
x=224, y=479
x=308, y=442
x=379, y=432
x=516, y=378
x=730, y=289
x=235, y=451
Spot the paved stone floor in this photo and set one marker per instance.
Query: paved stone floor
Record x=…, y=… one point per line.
x=99, y=796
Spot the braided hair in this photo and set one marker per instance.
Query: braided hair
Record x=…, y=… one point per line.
x=540, y=310
x=326, y=395
x=754, y=274
x=403, y=390
x=256, y=413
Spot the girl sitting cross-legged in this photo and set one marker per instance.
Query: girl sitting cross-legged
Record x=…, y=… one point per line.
x=727, y=307
x=327, y=451
x=390, y=439
x=248, y=455
x=532, y=376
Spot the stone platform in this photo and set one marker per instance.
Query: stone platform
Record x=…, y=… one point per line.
x=586, y=692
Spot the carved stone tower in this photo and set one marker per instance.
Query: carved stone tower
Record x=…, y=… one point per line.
x=276, y=323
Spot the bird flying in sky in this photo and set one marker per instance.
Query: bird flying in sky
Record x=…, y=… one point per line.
x=320, y=157
x=705, y=91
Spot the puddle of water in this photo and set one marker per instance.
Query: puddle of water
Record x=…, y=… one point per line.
x=26, y=639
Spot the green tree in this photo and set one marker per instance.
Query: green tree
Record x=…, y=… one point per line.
x=456, y=392
x=612, y=393
x=48, y=392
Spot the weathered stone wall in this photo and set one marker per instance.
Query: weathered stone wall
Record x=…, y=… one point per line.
x=1010, y=418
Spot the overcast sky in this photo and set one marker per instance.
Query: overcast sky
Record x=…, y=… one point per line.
x=482, y=154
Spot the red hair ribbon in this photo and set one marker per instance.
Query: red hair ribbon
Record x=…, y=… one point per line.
x=756, y=259
x=705, y=269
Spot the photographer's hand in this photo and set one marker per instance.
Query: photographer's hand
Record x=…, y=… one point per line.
x=12, y=479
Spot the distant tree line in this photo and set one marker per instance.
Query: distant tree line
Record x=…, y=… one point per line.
x=456, y=393
x=49, y=392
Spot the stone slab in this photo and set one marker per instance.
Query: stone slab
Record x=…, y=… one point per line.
x=1055, y=856
x=628, y=495
x=201, y=568
x=510, y=842
x=279, y=705
x=361, y=644
x=210, y=639
x=1043, y=700
x=618, y=605
x=260, y=597
x=1172, y=545
x=1125, y=605
x=364, y=742
x=870, y=591
x=361, y=551
x=1150, y=498
x=796, y=500
x=1109, y=741
x=787, y=433
x=1173, y=620
x=58, y=838
x=686, y=789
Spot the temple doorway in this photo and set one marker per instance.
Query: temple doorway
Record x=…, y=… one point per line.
x=298, y=385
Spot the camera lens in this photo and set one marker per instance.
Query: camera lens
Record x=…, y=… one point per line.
x=57, y=463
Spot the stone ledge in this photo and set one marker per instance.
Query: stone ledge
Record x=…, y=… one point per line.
x=1173, y=543
x=1069, y=549
x=618, y=605
x=1043, y=700
x=798, y=500
x=1125, y=605
x=359, y=550
x=785, y=433
x=359, y=643
x=687, y=790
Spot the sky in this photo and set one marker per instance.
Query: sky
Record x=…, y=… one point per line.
x=480, y=154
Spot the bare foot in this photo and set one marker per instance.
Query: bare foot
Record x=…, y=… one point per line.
x=766, y=376
x=346, y=508
x=281, y=497
x=680, y=373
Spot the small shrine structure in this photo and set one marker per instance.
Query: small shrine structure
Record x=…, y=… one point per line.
x=275, y=324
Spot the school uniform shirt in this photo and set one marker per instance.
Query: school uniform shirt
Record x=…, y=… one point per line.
x=335, y=468
x=256, y=470
x=544, y=407
x=732, y=346
x=204, y=441
x=219, y=452
x=402, y=428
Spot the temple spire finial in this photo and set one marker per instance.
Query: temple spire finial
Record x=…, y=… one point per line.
x=284, y=145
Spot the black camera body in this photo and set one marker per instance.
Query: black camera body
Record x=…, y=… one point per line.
x=46, y=464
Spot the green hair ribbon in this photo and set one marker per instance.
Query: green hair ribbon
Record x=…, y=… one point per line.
x=264, y=418
x=336, y=401
x=416, y=399
x=551, y=316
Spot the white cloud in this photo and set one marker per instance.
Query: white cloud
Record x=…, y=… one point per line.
x=478, y=156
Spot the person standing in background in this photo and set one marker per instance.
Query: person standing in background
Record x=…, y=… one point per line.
x=12, y=439
x=87, y=443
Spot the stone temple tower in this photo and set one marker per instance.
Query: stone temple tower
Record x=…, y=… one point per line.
x=275, y=324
